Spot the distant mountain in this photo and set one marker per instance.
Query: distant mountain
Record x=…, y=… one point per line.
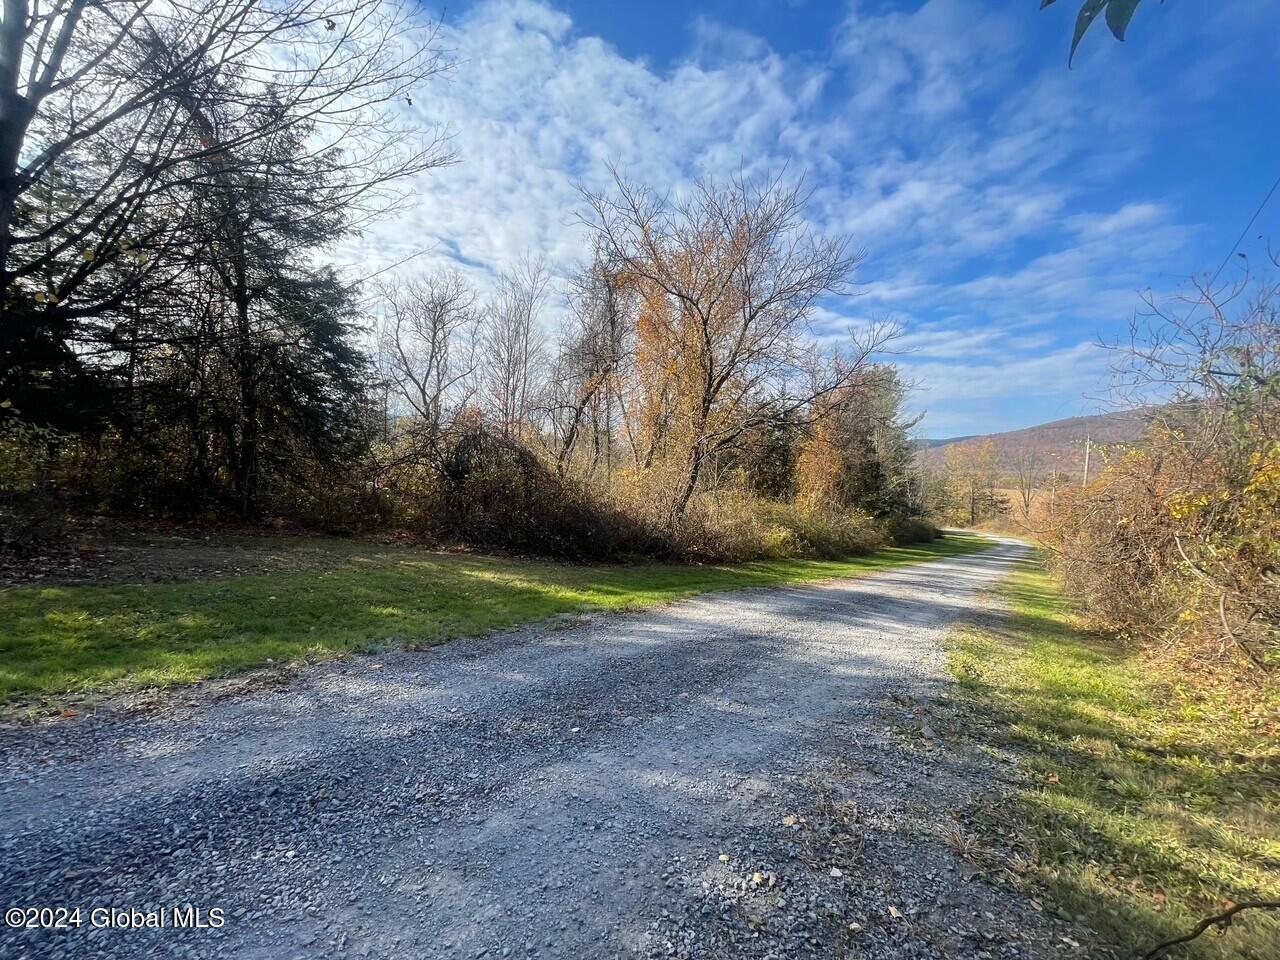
x=1058, y=443
x=926, y=444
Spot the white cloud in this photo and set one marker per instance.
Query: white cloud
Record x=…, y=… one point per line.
x=970, y=186
x=972, y=397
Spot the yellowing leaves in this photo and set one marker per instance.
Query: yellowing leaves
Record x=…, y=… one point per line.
x=1182, y=506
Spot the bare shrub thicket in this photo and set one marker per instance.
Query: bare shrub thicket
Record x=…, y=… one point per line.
x=1176, y=541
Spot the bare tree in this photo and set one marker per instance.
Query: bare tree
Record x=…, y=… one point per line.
x=428, y=333
x=1203, y=348
x=972, y=466
x=1026, y=471
x=113, y=111
x=510, y=346
x=732, y=275
x=591, y=353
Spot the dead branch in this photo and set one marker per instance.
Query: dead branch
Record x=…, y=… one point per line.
x=1222, y=919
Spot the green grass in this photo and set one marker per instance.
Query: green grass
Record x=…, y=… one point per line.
x=61, y=644
x=1148, y=802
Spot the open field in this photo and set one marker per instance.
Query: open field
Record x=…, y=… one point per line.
x=60, y=643
x=1147, y=802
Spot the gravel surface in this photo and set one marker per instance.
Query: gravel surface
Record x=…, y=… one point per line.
x=744, y=774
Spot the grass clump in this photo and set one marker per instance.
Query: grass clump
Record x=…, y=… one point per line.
x=1149, y=801
x=61, y=643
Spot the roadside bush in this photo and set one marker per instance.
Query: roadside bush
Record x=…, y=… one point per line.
x=496, y=492
x=737, y=526
x=491, y=490
x=906, y=530
x=335, y=504
x=468, y=485
x=1180, y=546
x=1177, y=542
x=30, y=514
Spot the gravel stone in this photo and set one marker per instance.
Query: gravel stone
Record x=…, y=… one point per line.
x=562, y=790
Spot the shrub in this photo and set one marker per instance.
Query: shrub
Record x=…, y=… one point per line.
x=1178, y=541
x=906, y=530
x=30, y=515
x=1180, y=545
x=734, y=525
x=496, y=492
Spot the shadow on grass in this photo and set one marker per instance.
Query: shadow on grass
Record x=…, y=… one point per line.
x=1139, y=815
x=101, y=638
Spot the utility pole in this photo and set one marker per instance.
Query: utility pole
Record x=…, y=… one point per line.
x=1088, y=444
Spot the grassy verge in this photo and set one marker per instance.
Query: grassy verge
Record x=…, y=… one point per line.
x=63, y=643
x=1147, y=803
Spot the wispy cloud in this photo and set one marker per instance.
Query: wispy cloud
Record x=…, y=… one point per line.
x=977, y=183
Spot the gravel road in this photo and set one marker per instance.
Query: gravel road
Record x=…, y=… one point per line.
x=743, y=774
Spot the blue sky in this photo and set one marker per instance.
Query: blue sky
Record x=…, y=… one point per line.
x=1012, y=210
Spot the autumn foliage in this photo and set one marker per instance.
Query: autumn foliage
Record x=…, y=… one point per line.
x=679, y=407
x=1177, y=541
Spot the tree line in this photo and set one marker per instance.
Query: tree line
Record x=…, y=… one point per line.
x=176, y=340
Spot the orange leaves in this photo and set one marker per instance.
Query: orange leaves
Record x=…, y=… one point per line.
x=818, y=468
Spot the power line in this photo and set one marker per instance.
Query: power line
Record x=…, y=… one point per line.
x=1225, y=260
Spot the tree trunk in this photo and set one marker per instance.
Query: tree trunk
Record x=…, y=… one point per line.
x=247, y=455
x=571, y=437
x=14, y=116
x=691, y=483
x=16, y=112
x=246, y=478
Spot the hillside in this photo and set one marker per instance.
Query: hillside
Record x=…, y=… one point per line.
x=1056, y=443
